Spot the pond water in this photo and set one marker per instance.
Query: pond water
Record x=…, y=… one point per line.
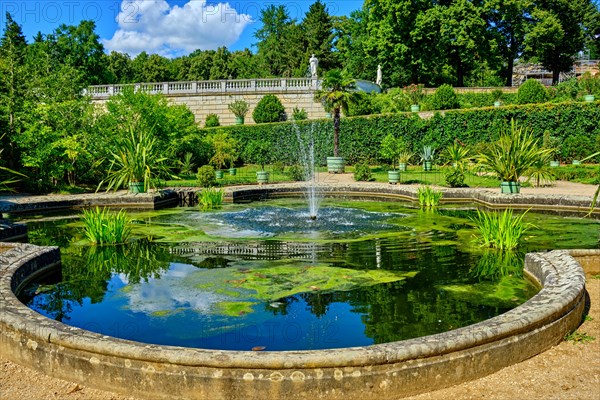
x=264, y=277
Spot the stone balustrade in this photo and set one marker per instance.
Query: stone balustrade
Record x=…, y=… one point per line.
x=231, y=86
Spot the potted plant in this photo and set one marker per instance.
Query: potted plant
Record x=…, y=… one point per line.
x=224, y=148
x=457, y=154
x=497, y=97
x=259, y=152
x=137, y=160
x=552, y=143
x=512, y=156
x=415, y=94
x=239, y=108
x=404, y=159
x=337, y=92
x=588, y=83
x=427, y=153
x=391, y=148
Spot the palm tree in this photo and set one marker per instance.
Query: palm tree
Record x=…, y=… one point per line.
x=337, y=92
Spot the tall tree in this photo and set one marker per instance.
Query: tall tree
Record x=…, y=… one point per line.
x=280, y=41
x=13, y=48
x=79, y=46
x=557, y=34
x=389, y=39
x=220, y=64
x=508, y=21
x=119, y=68
x=317, y=28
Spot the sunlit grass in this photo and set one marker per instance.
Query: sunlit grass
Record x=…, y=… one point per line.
x=104, y=227
x=500, y=230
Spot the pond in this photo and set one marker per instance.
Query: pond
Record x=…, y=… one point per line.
x=262, y=276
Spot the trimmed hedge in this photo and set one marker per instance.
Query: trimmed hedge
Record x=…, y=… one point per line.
x=574, y=124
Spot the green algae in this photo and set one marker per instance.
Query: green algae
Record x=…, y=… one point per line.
x=234, y=308
x=508, y=292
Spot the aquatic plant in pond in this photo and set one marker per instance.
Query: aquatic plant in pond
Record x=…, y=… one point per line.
x=428, y=196
x=106, y=227
x=211, y=198
x=500, y=230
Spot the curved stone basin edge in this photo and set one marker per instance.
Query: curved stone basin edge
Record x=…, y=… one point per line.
x=390, y=370
x=485, y=197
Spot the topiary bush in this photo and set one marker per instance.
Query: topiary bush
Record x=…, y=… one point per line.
x=212, y=120
x=269, y=109
x=532, y=91
x=362, y=172
x=206, y=176
x=445, y=98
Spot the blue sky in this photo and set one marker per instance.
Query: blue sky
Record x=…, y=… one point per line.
x=167, y=27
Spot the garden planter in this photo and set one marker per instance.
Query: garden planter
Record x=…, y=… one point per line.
x=335, y=165
x=589, y=97
x=427, y=165
x=510, y=187
x=497, y=104
x=415, y=108
x=239, y=120
x=136, y=187
x=554, y=163
x=232, y=171
x=402, y=167
x=262, y=177
x=219, y=174
x=576, y=162
x=393, y=177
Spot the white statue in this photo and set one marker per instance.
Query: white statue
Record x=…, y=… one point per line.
x=314, y=63
x=379, y=75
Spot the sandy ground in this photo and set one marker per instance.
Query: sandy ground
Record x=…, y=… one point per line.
x=570, y=370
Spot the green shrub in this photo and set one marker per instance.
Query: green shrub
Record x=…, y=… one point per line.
x=444, y=98
x=532, y=91
x=429, y=197
x=212, y=120
x=362, y=172
x=104, y=227
x=206, y=176
x=269, y=109
x=500, y=230
x=296, y=173
x=299, y=114
x=455, y=177
x=210, y=198
x=363, y=135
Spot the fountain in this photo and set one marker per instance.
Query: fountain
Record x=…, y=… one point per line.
x=306, y=141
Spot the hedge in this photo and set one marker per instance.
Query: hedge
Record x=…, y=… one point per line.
x=574, y=124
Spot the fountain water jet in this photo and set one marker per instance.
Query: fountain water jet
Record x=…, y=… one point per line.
x=306, y=142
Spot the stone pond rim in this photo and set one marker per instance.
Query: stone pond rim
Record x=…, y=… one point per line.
x=390, y=370
x=382, y=371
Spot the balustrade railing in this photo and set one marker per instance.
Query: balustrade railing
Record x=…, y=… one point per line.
x=232, y=86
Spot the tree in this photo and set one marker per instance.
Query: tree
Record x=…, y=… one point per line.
x=349, y=36
x=200, y=65
x=12, y=84
x=389, y=38
x=337, y=93
x=317, y=28
x=220, y=64
x=79, y=46
x=557, y=34
x=508, y=21
x=280, y=41
x=120, y=68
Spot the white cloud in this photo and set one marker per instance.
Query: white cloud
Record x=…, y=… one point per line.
x=155, y=26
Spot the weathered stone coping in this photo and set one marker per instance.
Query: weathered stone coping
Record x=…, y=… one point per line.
x=409, y=192
x=121, y=199
x=382, y=371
